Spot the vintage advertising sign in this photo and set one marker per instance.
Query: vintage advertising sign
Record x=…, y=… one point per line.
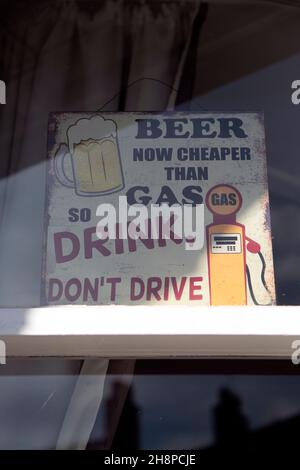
x=108, y=171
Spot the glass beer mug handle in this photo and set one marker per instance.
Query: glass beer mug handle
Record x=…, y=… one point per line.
x=59, y=166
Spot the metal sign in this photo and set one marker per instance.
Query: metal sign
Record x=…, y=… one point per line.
x=157, y=209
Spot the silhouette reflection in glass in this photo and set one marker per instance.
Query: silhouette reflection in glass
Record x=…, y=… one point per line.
x=230, y=424
x=121, y=421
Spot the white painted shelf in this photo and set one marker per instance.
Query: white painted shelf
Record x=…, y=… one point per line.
x=150, y=331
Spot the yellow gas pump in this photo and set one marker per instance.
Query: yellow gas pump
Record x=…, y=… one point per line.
x=226, y=248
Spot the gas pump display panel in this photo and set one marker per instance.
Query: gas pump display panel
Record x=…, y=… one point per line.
x=157, y=209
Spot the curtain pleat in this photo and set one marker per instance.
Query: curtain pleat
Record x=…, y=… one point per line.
x=62, y=55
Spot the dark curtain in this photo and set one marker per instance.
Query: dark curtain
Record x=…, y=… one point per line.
x=76, y=55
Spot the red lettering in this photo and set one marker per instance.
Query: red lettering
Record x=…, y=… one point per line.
x=58, y=246
x=178, y=292
x=153, y=286
x=136, y=281
x=194, y=287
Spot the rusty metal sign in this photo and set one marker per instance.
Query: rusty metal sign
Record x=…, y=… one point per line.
x=111, y=179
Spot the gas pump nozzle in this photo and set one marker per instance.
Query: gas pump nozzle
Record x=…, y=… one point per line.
x=252, y=246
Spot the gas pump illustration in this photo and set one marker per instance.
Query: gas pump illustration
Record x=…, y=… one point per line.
x=227, y=244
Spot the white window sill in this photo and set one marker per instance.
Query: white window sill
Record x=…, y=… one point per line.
x=150, y=331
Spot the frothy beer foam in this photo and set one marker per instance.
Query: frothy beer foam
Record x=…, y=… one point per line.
x=95, y=128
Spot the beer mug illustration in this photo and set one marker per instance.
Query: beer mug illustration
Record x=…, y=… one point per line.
x=95, y=158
